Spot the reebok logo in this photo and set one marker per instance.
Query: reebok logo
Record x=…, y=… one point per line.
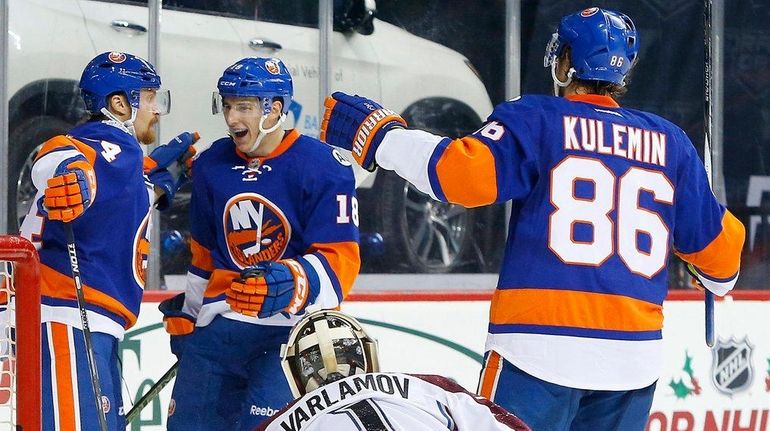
x=262, y=411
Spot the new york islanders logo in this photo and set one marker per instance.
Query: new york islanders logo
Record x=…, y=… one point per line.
x=116, y=57
x=272, y=67
x=141, y=251
x=255, y=229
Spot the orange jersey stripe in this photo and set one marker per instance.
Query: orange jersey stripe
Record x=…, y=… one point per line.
x=575, y=309
x=62, y=141
x=466, y=172
x=722, y=257
x=56, y=285
x=344, y=259
x=64, y=384
x=490, y=375
x=219, y=282
x=201, y=256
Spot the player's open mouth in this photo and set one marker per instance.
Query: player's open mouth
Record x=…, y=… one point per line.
x=239, y=133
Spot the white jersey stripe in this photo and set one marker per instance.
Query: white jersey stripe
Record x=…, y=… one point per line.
x=54, y=383
x=74, y=373
x=327, y=297
x=419, y=145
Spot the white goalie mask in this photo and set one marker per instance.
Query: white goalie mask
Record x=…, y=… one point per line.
x=326, y=346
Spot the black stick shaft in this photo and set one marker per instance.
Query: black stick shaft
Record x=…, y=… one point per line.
x=95, y=382
x=152, y=393
x=708, y=133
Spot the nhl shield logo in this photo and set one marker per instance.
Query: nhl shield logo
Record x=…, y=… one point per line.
x=731, y=371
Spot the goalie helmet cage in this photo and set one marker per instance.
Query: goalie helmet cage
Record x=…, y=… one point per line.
x=20, y=363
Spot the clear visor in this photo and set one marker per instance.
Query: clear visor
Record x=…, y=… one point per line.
x=249, y=106
x=157, y=101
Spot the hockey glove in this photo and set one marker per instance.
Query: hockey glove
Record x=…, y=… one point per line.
x=71, y=190
x=269, y=288
x=357, y=124
x=178, y=324
x=179, y=149
x=695, y=282
x=166, y=185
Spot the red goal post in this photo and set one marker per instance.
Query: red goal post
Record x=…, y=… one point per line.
x=20, y=390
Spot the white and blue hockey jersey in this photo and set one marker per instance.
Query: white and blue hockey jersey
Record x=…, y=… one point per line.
x=298, y=202
x=601, y=196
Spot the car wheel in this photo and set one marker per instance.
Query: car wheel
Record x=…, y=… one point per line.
x=421, y=234
x=25, y=142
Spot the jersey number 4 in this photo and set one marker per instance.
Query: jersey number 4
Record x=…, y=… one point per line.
x=609, y=193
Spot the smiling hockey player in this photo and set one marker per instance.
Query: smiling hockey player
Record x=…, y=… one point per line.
x=274, y=231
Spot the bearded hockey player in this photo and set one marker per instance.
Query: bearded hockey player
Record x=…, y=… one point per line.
x=332, y=367
x=274, y=231
x=97, y=180
x=602, y=195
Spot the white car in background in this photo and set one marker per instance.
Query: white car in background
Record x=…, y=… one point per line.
x=432, y=86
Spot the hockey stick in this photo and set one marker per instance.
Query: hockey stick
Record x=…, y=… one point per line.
x=95, y=382
x=152, y=393
x=708, y=130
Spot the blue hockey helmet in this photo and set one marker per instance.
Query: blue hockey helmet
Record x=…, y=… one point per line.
x=263, y=78
x=604, y=44
x=116, y=72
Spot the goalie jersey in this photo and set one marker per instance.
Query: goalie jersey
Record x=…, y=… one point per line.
x=601, y=196
x=112, y=258
x=392, y=401
x=298, y=202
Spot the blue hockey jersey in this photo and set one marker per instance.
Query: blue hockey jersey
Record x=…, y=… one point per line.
x=298, y=202
x=111, y=236
x=601, y=195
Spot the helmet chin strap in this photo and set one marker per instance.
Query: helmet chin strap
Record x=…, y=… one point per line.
x=264, y=132
x=557, y=83
x=128, y=124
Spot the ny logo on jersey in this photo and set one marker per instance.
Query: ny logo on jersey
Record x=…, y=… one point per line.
x=255, y=229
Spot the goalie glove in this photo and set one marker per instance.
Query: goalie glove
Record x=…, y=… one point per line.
x=269, y=288
x=177, y=323
x=71, y=190
x=357, y=124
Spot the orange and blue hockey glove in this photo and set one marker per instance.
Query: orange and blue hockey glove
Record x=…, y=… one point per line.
x=71, y=190
x=269, y=288
x=177, y=323
x=180, y=149
x=357, y=124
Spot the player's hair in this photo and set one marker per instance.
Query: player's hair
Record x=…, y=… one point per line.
x=604, y=88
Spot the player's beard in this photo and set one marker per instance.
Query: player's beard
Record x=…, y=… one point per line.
x=147, y=136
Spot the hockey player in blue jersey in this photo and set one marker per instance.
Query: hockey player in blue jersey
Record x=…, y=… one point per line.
x=601, y=196
x=94, y=179
x=273, y=220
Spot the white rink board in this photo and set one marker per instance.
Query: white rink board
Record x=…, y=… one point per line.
x=418, y=337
